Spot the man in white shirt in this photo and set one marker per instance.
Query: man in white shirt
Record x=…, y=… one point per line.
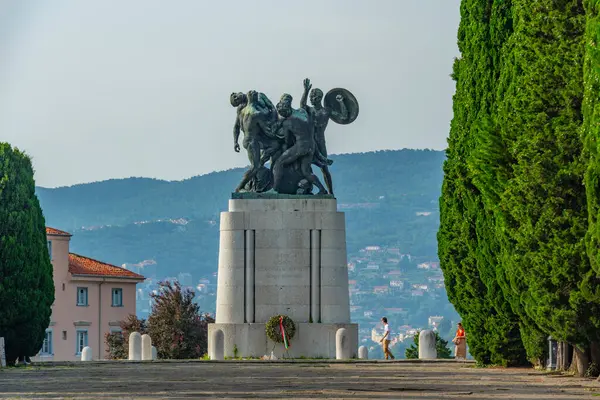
x=386, y=339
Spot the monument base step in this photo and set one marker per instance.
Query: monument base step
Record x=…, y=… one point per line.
x=312, y=340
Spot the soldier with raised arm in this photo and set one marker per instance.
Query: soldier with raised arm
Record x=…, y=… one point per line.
x=296, y=135
x=320, y=116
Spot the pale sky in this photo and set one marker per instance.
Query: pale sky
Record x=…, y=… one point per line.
x=101, y=89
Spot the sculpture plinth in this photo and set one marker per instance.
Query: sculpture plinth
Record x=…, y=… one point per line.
x=284, y=255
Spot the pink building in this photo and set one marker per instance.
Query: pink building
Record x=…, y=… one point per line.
x=91, y=297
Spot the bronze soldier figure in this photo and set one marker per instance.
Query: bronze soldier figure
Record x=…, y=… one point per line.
x=320, y=116
x=292, y=139
x=255, y=119
x=298, y=130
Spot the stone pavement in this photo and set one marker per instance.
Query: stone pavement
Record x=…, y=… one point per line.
x=298, y=380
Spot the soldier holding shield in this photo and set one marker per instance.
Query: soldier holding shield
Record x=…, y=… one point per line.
x=320, y=115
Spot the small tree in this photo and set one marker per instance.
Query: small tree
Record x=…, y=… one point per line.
x=441, y=346
x=26, y=285
x=118, y=342
x=176, y=327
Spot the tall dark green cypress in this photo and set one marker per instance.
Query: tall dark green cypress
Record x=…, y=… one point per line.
x=543, y=206
x=467, y=250
x=26, y=284
x=591, y=135
x=591, y=129
x=516, y=217
x=489, y=165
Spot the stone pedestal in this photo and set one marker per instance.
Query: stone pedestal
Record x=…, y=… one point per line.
x=135, y=346
x=282, y=254
x=2, y=353
x=146, y=347
x=86, y=354
x=363, y=353
x=427, y=345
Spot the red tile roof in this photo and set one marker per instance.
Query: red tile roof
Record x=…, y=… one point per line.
x=80, y=265
x=56, y=232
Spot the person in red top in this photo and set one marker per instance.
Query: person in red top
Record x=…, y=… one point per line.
x=460, y=343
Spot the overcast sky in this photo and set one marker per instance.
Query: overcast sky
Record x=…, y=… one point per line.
x=100, y=89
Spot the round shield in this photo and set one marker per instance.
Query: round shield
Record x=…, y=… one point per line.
x=350, y=102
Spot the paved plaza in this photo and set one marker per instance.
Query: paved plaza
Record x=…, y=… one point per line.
x=298, y=380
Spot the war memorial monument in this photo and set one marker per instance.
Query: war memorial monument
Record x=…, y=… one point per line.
x=282, y=277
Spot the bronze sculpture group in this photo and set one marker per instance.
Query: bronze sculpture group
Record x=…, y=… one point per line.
x=291, y=140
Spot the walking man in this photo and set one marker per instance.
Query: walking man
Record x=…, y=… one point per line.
x=386, y=339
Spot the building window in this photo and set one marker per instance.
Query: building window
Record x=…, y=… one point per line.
x=47, y=344
x=82, y=296
x=117, y=297
x=82, y=341
x=116, y=330
x=50, y=249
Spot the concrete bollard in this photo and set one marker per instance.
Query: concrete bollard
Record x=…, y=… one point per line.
x=363, y=353
x=342, y=345
x=427, y=345
x=146, y=347
x=135, y=346
x=2, y=353
x=217, y=350
x=154, y=353
x=86, y=354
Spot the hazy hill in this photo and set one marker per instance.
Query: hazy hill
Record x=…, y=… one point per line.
x=387, y=196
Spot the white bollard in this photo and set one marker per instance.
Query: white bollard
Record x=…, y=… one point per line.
x=154, y=353
x=217, y=350
x=363, y=353
x=2, y=353
x=135, y=346
x=342, y=344
x=86, y=354
x=427, y=345
x=146, y=347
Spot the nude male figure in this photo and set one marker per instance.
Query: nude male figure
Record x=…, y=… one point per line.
x=256, y=121
x=320, y=116
x=298, y=130
x=262, y=103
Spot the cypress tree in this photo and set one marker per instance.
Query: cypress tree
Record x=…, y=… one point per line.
x=467, y=248
x=591, y=129
x=543, y=206
x=591, y=134
x=26, y=284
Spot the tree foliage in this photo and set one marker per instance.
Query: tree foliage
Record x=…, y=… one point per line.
x=591, y=135
x=118, y=342
x=26, y=284
x=466, y=247
x=527, y=88
x=544, y=211
x=177, y=328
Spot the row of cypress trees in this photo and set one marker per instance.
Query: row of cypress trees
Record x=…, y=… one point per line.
x=518, y=238
x=26, y=284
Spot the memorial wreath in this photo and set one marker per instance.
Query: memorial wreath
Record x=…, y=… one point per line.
x=280, y=329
